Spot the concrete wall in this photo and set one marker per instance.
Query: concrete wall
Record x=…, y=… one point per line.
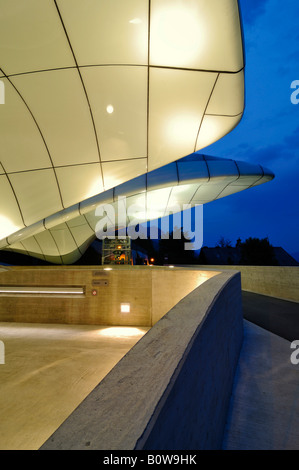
x=172, y=390
x=281, y=282
x=151, y=292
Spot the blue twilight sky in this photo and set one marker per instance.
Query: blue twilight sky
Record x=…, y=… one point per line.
x=268, y=133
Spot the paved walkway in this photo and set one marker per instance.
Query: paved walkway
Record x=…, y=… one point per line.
x=48, y=371
x=264, y=411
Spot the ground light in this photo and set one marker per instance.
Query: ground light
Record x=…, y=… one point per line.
x=120, y=332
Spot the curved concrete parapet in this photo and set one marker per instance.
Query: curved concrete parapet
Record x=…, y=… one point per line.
x=171, y=391
x=281, y=282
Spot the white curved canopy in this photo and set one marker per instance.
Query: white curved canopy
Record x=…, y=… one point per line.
x=196, y=179
x=98, y=92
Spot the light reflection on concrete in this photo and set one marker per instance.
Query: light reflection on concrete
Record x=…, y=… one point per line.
x=48, y=371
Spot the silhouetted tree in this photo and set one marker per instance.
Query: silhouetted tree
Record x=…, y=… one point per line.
x=238, y=242
x=222, y=242
x=172, y=249
x=202, y=259
x=146, y=244
x=257, y=252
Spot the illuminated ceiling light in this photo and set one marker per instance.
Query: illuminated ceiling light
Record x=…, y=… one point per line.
x=125, y=308
x=110, y=109
x=171, y=266
x=177, y=33
x=181, y=128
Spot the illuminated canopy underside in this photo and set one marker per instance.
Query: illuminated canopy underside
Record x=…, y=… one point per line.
x=102, y=97
x=98, y=92
x=197, y=179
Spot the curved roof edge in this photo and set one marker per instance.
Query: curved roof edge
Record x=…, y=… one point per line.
x=195, y=179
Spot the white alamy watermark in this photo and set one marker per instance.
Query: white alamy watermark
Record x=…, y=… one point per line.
x=295, y=94
x=123, y=220
x=2, y=92
x=295, y=354
x=2, y=353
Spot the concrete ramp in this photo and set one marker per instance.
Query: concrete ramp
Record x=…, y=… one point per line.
x=264, y=409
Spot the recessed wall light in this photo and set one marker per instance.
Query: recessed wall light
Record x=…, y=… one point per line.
x=125, y=308
x=109, y=109
x=32, y=290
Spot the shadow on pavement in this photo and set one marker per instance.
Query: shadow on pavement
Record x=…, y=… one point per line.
x=280, y=317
